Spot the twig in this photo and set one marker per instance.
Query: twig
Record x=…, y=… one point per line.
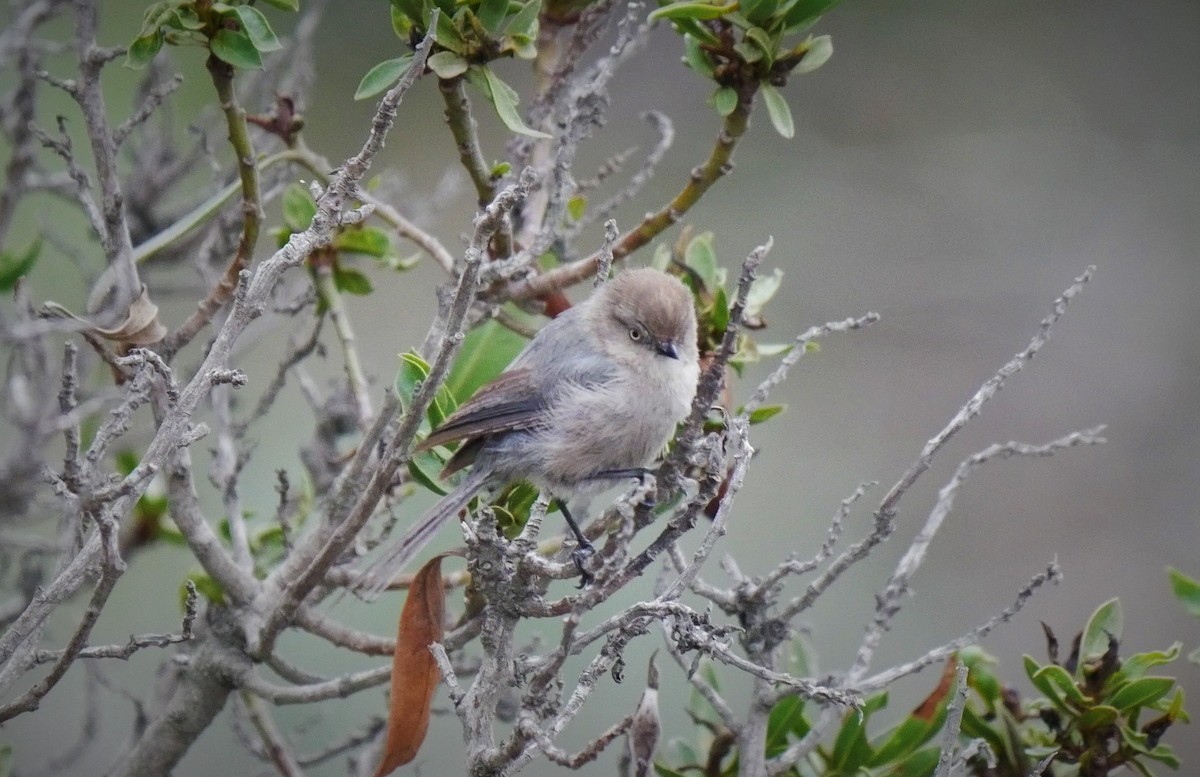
x=953, y=725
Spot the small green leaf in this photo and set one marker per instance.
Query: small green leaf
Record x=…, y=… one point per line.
x=922, y=763
x=284, y=5
x=1060, y=681
x=207, y=587
x=401, y=24
x=773, y=349
x=14, y=267
x=758, y=11
x=765, y=412
x=689, y=9
x=486, y=352
x=1186, y=590
x=503, y=98
x=820, y=49
x=761, y=292
x=298, y=207
x=424, y=466
x=143, y=50
x=382, y=76
x=662, y=770
x=725, y=99
x=805, y=12
x=491, y=13
x=719, y=317
x=413, y=371
x=701, y=256
x=525, y=22
x=413, y=10
x=778, y=110
x=351, y=281
x=447, y=64
x=786, y=720
x=257, y=27
x=1098, y=717
x=1141, y=692
x=448, y=36
x=696, y=58
x=1136, y=665
x=364, y=240
x=157, y=15
x=577, y=207
x=236, y=48
x=1105, y=624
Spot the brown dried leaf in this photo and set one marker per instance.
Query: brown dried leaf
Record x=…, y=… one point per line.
x=415, y=675
x=928, y=709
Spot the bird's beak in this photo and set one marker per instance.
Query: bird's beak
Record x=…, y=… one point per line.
x=667, y=348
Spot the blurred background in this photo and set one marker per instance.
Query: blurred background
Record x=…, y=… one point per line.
x=955, y=167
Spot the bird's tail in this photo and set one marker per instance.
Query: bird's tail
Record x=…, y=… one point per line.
x=380, y=573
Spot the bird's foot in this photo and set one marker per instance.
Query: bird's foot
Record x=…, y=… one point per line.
x=580, y=556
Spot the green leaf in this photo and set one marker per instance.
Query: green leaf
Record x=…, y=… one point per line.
x=761, y=292
x=903, y=739
x=1105, y=623
x=298, y=207
x=725, y=99
x=805, y=12
x=447, y=35
x=503, y=98
x=1136, y=665
x=255, y=25
x=157, y=15
x=851, y=749
x=413, y=10
x=719, y=318
x=758, y=11
x=662, y=770
x=1141, y=692
x=922, y=763
x=401, y=24
x=351, y=281
x=486, y=351
x=236, y=48
x=14, y=266
x=143, y=50
x=491, y=13
x=382, y=76
x=206, y=586
x=701, y=256
x=413, y=371
x=424, y=466
x=689, y=9
x=765, y=412
x=364, y=240
x=820, y=49
x=525, y=21
x=1186, y=590
x=1098, y=717
x=778, y=110
x=447, y=64
x=696, y=58
x=1053, y=679
x=786, y=719
x=6, y=760
x=577, y=207
x=284, y=5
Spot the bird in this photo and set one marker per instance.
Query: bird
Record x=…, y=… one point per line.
x=592, y=398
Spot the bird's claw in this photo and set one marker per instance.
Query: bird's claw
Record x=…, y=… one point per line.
x=580, y=556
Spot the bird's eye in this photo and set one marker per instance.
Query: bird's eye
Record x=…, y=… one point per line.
x=635, y=334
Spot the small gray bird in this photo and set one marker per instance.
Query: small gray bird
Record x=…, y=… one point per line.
x=592, y=398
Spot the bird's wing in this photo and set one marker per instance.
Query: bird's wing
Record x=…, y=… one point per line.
x=511, y=401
